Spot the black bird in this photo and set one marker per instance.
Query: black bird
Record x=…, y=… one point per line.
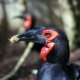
x=29, y=23
x=55, y=53
x=56, y=47
x=29, y=20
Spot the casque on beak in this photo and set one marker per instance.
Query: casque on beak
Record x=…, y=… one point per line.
x=31, y=36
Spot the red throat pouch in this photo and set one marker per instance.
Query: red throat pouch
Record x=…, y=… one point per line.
x=45, y=50
x=28, y=22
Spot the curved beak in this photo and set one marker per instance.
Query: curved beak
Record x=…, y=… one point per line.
x=32, y=36
x=22, y=17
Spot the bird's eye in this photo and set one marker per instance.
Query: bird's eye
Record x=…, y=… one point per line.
x=47, y=34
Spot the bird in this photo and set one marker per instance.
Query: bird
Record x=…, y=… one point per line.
x=55, y=53
x=29, y=23
x=29, y=20
x=56, y=47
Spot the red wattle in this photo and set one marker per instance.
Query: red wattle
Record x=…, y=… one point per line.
x=27, y=24
x=46, y=50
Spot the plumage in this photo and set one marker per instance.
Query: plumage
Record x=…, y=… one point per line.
x=49, y=71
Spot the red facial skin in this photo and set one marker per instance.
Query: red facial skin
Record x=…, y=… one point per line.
x=28, y=22
x=49, y=46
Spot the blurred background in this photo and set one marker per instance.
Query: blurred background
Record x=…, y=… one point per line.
x=63, y=14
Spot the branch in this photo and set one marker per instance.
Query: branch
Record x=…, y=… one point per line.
x=23, y=57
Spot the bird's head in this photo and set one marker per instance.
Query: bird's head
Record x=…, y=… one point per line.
x=55, y=43
x=29, y=20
